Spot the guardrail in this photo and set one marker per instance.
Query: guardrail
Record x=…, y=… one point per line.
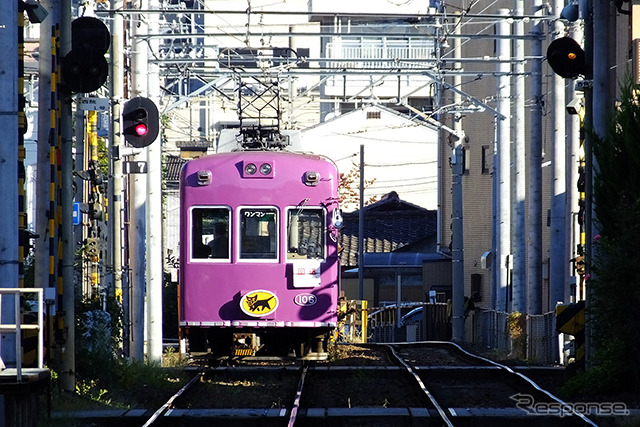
x=18, y=326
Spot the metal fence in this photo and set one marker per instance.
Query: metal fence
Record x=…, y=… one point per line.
x=431, y=322
x=19, y=328
x=488, y=328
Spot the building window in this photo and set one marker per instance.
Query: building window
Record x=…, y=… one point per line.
x=466, y=164
x=476, y=287
x=487, y=155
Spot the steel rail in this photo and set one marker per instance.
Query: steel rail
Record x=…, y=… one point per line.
x=565, y=405
x=296, y=402
x=163, y=409
x=441, y=411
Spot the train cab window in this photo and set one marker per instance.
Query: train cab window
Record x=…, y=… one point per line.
x=258, y=233
x=210, y=232
x=305, y=233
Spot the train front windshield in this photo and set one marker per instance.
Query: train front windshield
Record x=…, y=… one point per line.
x=258, y=233
x=305, y=228
x=210, y=232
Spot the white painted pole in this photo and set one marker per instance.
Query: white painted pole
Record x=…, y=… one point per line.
x=520, y=187
x=154, y=212
x=534, y=249
x=116, y=141
x=138, y=203
x=9, y=166
x=558, y=257
x=503, y=135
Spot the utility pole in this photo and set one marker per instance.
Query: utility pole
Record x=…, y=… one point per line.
x=154, y=213
x=534, y=254
x=519, y=283
x=558, y=257
x=457, y=211
x=503, y=142
x=9, y=166
x=115, y=161
x=601, y=104
x=68, y=376
x=138, y=187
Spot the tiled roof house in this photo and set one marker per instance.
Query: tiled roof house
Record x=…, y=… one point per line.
x=399, y=246
x=390, y=224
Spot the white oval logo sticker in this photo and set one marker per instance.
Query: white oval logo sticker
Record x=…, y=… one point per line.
x=259, y=303
x=305, y=300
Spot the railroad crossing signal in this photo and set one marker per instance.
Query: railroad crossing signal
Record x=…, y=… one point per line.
x=84, y=68
x=566, y=58
x=140, y=122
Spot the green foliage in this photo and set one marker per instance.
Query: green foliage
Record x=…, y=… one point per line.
x=97, y=335
x=103, y=156
x=615, y=306
x=92, y=391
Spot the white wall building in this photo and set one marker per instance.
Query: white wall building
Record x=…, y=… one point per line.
x=399, y=154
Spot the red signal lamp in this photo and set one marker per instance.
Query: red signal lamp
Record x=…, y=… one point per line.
x=140, y=121
x=141, y=129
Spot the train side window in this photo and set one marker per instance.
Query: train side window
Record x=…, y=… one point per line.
x=210, y=232
x=258, y=233
x=305, y=233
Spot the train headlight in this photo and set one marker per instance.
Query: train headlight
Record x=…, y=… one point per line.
x=265, y=169
x=311, y=178
x=204, y=177
x=250, y=169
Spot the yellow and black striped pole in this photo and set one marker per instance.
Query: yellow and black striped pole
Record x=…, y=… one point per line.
x=92, y=138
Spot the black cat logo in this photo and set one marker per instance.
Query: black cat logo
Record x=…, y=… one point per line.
x=259, y=303
x=256, y=304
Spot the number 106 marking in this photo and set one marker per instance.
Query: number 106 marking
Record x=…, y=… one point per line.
x=305, y=300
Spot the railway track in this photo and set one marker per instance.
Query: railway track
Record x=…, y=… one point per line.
x=432, y=384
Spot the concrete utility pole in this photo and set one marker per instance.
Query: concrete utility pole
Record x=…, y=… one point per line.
x=9, y=165
x=154, y=212
x=457, y=211
x=520, y=187
x=503, y=142
x=601, y=104
x=115, y=161
x=68, y=374
x=534, y=249
x=558, y=257
x=138, y=186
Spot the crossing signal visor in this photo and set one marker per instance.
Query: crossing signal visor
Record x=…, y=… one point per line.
x=140, y=121
x=566, y=58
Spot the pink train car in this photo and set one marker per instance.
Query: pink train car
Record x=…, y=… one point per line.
x=259, y=265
